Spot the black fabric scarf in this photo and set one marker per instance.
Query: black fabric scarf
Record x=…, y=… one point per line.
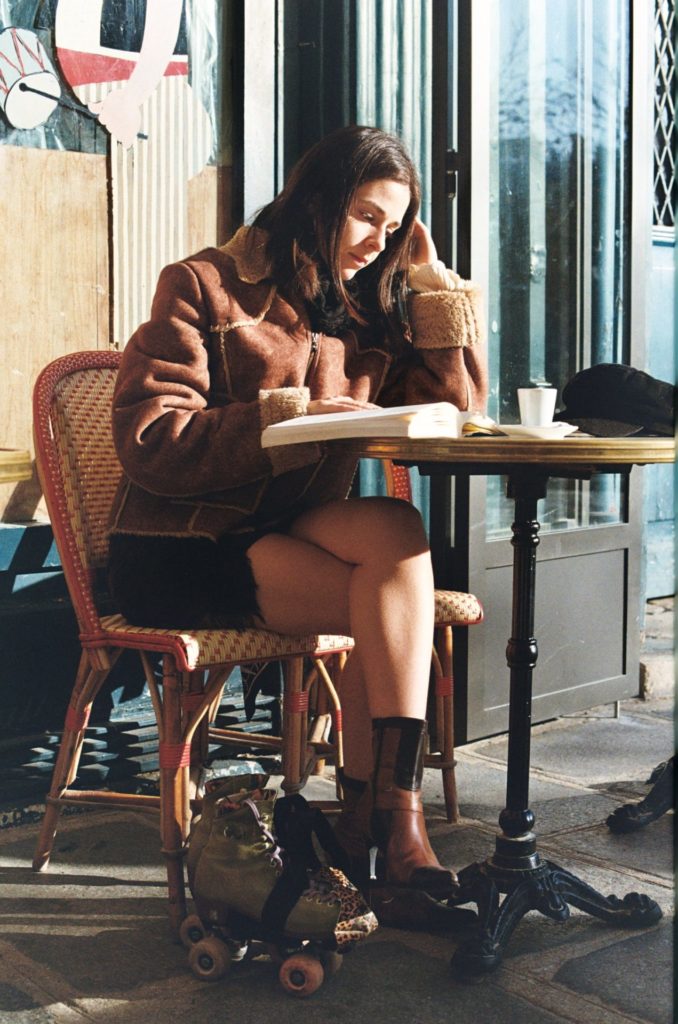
x=326, y=312
x=328, y=315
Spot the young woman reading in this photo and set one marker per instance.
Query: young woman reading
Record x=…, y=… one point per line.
x=332, y=300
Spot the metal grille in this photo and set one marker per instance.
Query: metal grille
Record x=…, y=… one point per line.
x=665, y=189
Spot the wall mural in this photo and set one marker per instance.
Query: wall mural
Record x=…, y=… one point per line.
x=139, y=77
x=29, y=85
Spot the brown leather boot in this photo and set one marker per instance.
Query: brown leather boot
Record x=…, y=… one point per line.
x=397, y=818
x=352, y=827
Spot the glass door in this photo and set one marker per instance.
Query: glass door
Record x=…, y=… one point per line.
x=549, y=156
x=520, y=118
x=393, y=47
x=558, y=215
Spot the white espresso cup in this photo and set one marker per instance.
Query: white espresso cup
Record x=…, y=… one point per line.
x=537, y=406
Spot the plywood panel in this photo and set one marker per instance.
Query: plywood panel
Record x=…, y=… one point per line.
x=54, y=294
x=209, y=210
x=148, y=189
x=201, y=210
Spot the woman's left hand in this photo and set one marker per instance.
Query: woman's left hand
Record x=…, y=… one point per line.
x=423, y=247
x=338, y=403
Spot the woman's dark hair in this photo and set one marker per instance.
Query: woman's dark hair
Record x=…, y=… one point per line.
x=306, y=220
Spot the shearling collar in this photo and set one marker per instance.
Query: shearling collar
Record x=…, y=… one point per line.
x=247, y=248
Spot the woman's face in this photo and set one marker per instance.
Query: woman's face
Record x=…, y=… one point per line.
x=377, y=211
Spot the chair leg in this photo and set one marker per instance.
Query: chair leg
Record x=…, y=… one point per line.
x=191, y=698
x=319, y=714
x=175, y=758
x=87, y=684
x=295, y=714
x=445, y=714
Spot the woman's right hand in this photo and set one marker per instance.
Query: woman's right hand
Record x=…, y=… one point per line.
x=339, y=403
x=423, y=247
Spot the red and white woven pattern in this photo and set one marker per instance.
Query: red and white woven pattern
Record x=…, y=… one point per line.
x=220, y=646
x=81, y=413
x=454, y=608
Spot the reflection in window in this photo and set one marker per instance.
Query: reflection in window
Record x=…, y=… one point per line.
x=393, y=62
x=568, y=505
x=559, y=215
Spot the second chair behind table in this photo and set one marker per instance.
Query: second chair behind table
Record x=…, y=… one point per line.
x=453, y=609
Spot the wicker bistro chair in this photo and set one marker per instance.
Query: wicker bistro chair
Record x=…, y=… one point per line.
x=79, y=472
x=452, y=608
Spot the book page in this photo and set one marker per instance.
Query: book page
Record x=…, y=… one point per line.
x=434, y=419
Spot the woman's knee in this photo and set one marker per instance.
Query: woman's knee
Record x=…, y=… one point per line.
x=395, y=524
x=300, y=587
x=359, y=529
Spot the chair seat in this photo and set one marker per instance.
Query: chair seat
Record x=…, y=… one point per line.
x=455, y=608
x=198, y=648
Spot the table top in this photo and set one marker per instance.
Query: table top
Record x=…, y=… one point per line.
x=496, y=454
x=15, y=465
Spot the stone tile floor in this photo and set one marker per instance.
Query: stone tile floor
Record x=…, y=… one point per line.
x=88, y=940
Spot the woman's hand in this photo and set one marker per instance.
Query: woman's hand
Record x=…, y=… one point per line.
x=121, y=114
x=339, y=403
x=423, y=247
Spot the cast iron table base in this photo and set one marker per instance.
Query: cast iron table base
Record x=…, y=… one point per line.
x=516, y=869
x=544, y=886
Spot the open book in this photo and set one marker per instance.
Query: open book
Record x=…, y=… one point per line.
x=435, y=419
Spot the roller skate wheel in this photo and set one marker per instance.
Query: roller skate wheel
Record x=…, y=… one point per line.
x=301, y=975
x=192, y=930
x=209, y=959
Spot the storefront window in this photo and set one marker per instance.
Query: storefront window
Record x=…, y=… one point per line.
x=393, y=62
x=558, y=217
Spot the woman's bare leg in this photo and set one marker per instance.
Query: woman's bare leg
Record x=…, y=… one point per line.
x=360, y=567
x=363, y=567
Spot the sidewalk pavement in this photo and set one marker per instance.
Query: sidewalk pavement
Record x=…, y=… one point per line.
x=88, y=940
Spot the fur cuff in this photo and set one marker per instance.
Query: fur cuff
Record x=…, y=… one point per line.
x=285, y=404
x=447, y=319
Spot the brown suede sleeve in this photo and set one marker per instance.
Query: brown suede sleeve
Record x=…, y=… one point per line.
x=450, y=341
x=285, y=404
x=169, y=438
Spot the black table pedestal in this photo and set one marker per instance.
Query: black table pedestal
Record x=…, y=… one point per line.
x=516, y=870
x=545, y=887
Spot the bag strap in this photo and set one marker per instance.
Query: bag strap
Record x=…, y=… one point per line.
x=295, y=823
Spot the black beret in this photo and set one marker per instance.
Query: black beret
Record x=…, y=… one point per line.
x=614, y=400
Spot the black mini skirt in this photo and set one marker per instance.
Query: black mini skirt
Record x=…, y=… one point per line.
x=184, y=582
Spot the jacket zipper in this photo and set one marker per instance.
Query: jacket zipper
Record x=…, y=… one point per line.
x=311, y=356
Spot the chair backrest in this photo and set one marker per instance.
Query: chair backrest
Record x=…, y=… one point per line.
x=397, y=480
x=78, y=466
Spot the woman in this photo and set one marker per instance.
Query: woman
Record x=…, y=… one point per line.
x=303, y=313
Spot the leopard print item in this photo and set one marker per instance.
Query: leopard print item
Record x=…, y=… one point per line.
x=355, y=921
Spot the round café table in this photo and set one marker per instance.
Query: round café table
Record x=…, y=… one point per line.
x=516, y=871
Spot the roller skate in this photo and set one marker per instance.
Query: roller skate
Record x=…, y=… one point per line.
x=259, y=886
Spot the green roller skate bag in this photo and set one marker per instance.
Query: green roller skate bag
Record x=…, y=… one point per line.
x=253, y=868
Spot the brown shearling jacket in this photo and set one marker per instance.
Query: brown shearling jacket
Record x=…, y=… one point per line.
x=224, y=354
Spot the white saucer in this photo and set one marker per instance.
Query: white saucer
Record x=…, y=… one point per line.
x=552, y=431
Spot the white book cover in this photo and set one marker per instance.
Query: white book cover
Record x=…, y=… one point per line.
x=433, y=419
